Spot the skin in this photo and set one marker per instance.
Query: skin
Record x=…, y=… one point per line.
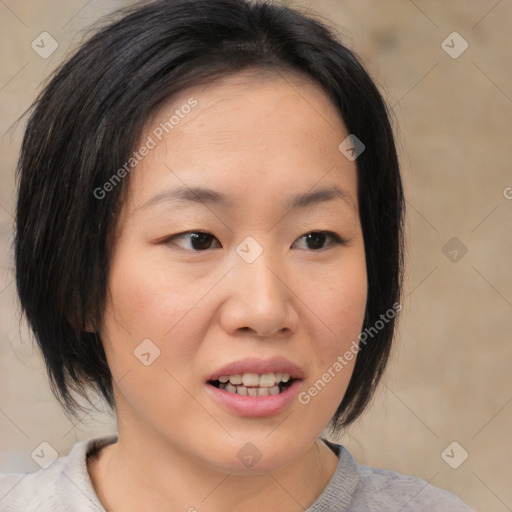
x=259, y=138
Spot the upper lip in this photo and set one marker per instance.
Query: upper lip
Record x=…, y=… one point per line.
x=259, y=366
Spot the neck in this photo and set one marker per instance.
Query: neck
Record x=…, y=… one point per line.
x=143, y=474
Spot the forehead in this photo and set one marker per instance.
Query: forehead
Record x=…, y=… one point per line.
x=258, y=131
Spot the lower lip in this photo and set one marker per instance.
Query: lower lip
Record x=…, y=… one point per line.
x=255, y=406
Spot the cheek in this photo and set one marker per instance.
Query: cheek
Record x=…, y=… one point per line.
x=335, y=307
x=153, y=299
x=338, y=305
x=154, y=324
x=153, y=308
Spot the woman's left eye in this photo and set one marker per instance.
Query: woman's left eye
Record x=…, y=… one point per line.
x=317, y=240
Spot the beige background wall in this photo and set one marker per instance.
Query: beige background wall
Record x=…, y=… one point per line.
x=450, y=375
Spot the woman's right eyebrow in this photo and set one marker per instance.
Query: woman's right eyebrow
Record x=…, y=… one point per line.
x=199, y=195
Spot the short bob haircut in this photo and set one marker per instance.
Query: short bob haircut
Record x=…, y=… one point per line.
x=89, y=118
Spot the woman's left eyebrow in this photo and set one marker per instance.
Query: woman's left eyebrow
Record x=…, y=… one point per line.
x=320, y=196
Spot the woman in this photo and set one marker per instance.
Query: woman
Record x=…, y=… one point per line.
x=209, y=235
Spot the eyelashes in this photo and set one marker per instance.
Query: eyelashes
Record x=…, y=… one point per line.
x=198, y=241
x=318, y=239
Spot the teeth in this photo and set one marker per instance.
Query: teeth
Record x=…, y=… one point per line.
x=251, y=379
x=235, y=379
x=230, y=388
x=252, y=384
x=267, y=380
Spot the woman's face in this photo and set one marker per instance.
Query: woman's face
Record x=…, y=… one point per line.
x=239, y=254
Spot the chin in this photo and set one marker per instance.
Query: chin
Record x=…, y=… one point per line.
x=254, y=455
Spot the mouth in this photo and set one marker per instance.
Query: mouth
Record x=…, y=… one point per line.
x=254, y=384
x=256, y=388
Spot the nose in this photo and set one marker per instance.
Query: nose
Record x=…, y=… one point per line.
x=260, y=300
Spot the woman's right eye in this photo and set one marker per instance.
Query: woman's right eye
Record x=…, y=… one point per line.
x=194, y=241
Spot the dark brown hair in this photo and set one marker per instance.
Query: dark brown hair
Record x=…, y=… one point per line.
x=87, y=121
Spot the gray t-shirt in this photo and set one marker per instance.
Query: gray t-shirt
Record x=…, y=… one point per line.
x=65, y=486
